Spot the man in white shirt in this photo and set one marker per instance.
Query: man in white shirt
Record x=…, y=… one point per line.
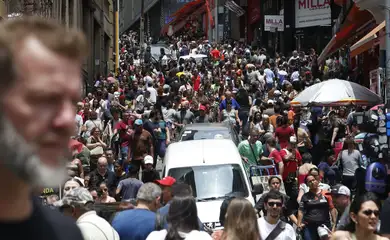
x=271, y=226
x=153, y=93
x=78, y=203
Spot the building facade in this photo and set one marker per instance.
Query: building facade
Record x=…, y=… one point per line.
x=130, y=13
x=94, y=17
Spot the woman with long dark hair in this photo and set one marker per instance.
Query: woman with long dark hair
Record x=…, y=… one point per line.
x=364, y=217
x=182, y=222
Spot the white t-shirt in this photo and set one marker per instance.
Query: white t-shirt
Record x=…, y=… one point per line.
x=79, y=123
x=153, y=94
x=193, y=235
x=94, y=227
x=265, y=229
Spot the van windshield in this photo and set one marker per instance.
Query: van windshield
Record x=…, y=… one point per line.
x=212, y=182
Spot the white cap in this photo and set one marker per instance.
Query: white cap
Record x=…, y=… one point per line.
x=270, y=101
x=340, y=189
x=277, y=92
x=148, y=159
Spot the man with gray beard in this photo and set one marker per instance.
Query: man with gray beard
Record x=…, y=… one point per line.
x=40, y=69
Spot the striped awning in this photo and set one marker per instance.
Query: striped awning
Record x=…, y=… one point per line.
x=234, y=7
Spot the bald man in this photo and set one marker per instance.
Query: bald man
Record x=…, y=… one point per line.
x=101, y=174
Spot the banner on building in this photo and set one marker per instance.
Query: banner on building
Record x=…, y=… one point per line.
x=226, y=22
x=254, y=13
x=273, y=23
x=309, y=13
x=234, y=7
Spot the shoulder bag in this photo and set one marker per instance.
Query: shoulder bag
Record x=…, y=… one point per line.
x=277, y=230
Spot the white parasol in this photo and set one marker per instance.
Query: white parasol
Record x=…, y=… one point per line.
x=336, y=92
x=197, y=57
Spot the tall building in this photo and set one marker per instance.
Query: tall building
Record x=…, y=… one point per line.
x=94, y=17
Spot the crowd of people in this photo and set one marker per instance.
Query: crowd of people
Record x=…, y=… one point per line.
x=127, y=120
x=120, y=131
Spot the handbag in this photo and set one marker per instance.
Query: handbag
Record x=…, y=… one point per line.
x=97, y=151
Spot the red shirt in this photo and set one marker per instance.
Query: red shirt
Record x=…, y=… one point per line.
x=122, y=130
x=196, y=83
x=290, y=167
x=277, y=158
x=215, y=53
x=283, y=134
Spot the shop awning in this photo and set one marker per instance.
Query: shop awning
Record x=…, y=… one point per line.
x=355, y=20
x=367, y=41
x=194, y=8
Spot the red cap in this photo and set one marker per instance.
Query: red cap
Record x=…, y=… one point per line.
x=202, y=108
x=74, y=144
x=167, y=181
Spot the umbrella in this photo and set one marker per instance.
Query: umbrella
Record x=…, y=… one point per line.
x=197, y=57
x=336, y=92
x=375, y=108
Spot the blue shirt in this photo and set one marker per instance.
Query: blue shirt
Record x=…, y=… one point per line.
x=269, y=75
x=235, y=104
x=134, y=224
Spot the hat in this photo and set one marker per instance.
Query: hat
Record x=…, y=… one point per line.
x=340, y=189
x=202, y=108
x=77, y=196
x=138, y=122
x=167, y=181
x=148, y=159
x=277, y=92
x=293, y=139
x=270, y=101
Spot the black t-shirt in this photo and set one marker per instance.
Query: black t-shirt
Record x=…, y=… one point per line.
x=316, y=208
x=44, y=224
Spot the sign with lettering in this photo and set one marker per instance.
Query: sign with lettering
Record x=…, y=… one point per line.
x=263, y=180
x=274, y=22
x=309, y=13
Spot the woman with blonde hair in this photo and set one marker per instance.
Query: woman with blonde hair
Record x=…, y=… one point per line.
x=240, y=221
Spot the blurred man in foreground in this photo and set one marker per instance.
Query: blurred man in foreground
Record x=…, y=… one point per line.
x=40, y=69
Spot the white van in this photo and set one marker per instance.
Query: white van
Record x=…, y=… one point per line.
x=213, y=168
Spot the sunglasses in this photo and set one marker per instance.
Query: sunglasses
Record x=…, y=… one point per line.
x=370, y=212
x=272, y=204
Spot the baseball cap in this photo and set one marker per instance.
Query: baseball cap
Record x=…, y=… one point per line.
x=77, y=196
x=270, y=101
x=148, y=159
x=138, y=122
x=340, y=189
x=167, y=181
x=202, y=108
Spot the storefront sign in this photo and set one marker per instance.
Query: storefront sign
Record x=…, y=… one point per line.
x=273, y=22
x=309, y=13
